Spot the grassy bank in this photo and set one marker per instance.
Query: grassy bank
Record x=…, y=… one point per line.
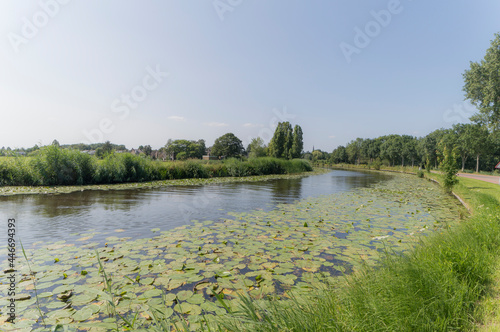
x=446, y=283
x=55, y=166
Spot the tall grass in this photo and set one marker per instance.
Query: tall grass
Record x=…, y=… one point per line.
x=56, y=166
x=435, y=286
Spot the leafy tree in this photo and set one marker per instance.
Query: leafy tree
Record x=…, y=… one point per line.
x=482, y=86
x=353, y=150
x=448, y=166
x=256, y=148
x=409, y=149
x=281, y=143
x=480, y=142
x=147, y=150
x=228, y=145
x=392, y=149
x=55, y=143
x=297, y=144
x=189, y=149
x=339, y=155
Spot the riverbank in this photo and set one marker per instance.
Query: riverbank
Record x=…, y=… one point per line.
x=52, y=190
x=448, y=282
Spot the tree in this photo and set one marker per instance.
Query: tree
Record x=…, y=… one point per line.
x=449, y=169
x=56, y=143
x=256, y=148
x=282, y=141
x=482, y=86
x=297, y=144
x=480, y=142
x=227, y=145
x=339, y=155
x=184, y=149
x=392, y=149
x=147, y=150
x=353, y=150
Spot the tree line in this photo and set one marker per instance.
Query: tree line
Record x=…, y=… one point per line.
x=472, y=146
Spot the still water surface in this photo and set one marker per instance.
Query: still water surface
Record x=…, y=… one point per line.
x=133, y=213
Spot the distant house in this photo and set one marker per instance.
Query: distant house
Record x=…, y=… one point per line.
x=136, y=152
x=90, y=152
x=21, y=153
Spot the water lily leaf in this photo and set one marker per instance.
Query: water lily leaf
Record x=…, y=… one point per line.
x=83, y=314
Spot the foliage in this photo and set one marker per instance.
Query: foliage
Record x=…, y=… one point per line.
x=57, y=166
x=297, y=144
x=256, y=148
x=228, y=145
x=286, y=143
x=449, y=169
x=182, y=149
x=482, y=86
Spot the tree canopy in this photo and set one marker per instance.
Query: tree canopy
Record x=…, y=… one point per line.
x=482, y=86
x=286, y=143
x=228, y=145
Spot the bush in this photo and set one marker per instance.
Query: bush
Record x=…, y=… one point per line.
x=420, y=173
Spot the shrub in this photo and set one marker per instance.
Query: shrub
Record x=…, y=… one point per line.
x=420, y=173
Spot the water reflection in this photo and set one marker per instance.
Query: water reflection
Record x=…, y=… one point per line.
x=135, y=212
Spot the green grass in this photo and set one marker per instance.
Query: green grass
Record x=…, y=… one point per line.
x=443, y=284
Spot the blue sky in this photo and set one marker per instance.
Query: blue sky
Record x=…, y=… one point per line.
x=141, y=72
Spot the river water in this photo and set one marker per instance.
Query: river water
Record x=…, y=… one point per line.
x=133, y=213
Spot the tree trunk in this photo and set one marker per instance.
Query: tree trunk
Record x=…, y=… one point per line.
x=412, y=161
x=463, y=163
x=402, y=161
x=477, y=164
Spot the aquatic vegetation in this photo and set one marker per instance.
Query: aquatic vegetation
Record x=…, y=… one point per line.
x=292, y=247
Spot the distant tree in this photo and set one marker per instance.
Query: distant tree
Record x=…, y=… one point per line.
x=228, y=145
x=392, y=149
x=189, y=149
x=107, y=147
x=256, y=148
x=280, y=144
x=409, y=149
x=482, y=86
x=319, y=155
x=297, y=144
x=449, y=169
x=147, y=150
x=480, y=142
x=339, y=155
x=353, y=150
x=55, y=142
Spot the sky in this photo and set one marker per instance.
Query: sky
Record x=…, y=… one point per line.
x=142, y=72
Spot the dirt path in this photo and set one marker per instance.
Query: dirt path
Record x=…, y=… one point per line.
x=487, y=178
